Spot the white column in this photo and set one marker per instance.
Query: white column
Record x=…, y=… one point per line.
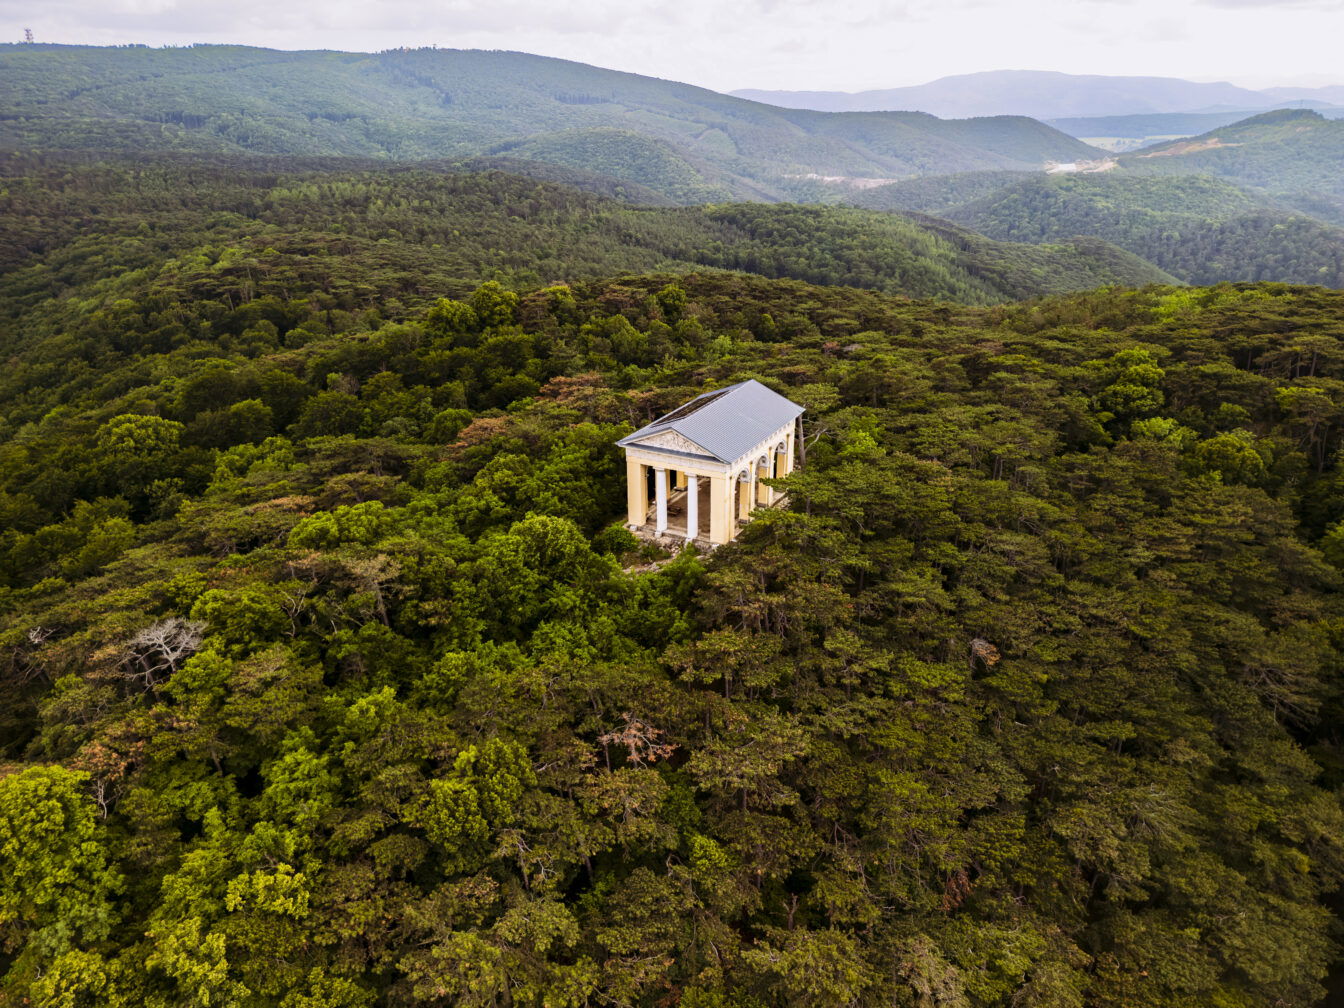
x=692, y=507
x=660, y=496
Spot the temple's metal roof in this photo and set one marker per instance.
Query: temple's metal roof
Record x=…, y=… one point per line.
x=727, y=422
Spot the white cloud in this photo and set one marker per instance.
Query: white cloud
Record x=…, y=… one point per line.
x=1321, y=5
x=801, y=44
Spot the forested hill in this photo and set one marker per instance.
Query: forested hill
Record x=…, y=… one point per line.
x=1261, y=199
x=687, y=142
x=1196, y=227
x=331, y=678
x=1291, y=153
x=937, y=195
x=223, y=245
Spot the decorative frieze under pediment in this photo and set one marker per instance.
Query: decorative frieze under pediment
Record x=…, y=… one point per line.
x=672, y=441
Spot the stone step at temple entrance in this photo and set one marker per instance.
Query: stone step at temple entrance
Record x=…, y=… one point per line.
x=679, y=512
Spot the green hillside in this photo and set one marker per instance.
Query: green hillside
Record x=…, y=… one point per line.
x=936, y=194
x=334, y=680
x=622, y=154
x=1201, y=229
x=1294, y=154
x=575, y=178
x=429, y=103
x=208, y=231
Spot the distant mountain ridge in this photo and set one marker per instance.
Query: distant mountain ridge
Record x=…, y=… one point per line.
x=652, y=142
x=688, y=143
x=1333, y=94
x=1049, y=95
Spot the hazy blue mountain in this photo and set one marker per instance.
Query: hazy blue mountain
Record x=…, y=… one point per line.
x=1152, y=127
x=1122, y=134
x=1036, y=93
x=686, y=142
x=1333, y=95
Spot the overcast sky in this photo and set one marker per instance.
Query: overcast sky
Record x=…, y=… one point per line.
x=844, y=45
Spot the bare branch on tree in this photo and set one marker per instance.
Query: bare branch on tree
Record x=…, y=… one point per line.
x=159, y=650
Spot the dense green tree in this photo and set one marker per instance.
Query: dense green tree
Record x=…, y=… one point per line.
x=1027, y=694
x=57, y=896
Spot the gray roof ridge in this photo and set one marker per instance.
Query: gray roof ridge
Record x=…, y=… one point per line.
x=734, y=421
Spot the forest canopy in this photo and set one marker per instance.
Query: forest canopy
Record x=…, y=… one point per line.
x=332, y=678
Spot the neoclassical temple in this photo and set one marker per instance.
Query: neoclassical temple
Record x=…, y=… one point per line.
x=696, y=472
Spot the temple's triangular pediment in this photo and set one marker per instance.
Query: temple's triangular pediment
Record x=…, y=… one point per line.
x=724, y=424
x=671, y=440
